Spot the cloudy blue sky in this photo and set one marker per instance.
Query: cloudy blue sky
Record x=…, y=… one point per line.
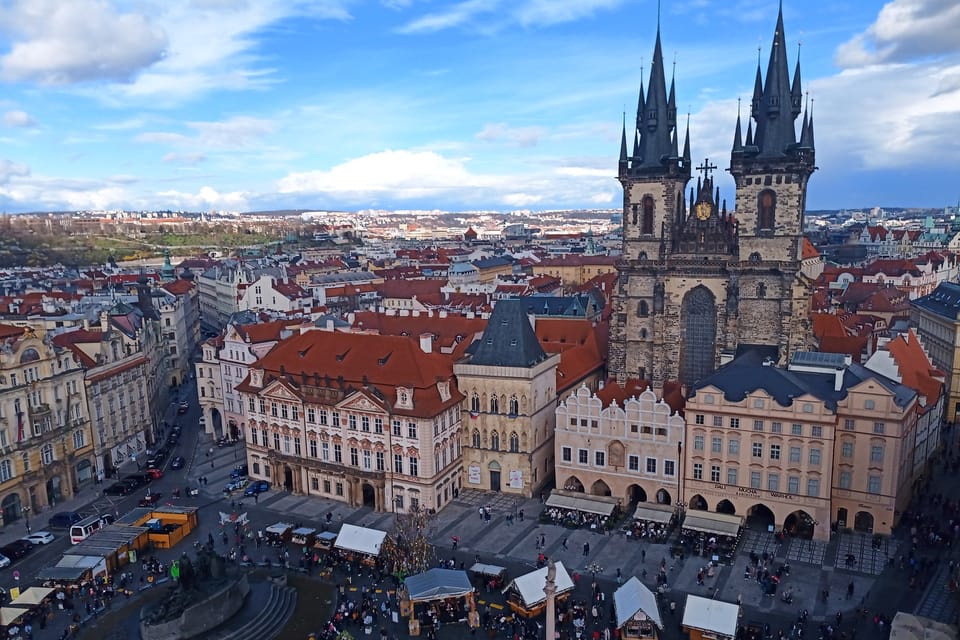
x=420, y=104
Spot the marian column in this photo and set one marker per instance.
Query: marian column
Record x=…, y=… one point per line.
x=550, y=589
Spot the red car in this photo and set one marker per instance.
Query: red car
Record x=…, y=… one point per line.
x=151, y=499
x=154, y=473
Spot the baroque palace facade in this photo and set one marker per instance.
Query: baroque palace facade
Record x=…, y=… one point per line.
x=697, y=282
x=363, y=419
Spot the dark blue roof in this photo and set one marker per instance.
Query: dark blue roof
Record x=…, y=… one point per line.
x=508, y=340
x=437, y=584
x=944, y=301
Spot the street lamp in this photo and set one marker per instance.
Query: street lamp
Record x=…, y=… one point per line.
x=26, y=517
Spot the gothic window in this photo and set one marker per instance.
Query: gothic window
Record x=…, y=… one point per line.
x=635, y=210
x=494, y=404
x=475, y=403
x=761, y=290
x=755, y=257
x=699, y=325
x=643, y=255
x=647, y=222
x=514, y=406
x=495, y=441
x=514, y=442
x=476, y=439
x=643, y=334
x=643, y=309
x=766, y=209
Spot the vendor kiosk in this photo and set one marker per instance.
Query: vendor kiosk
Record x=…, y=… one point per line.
x=303, y=536
x=360, y=543
x=492, y=575
x=441, y=590
x=714, y=535
x=638, y=615
x=324, y=540
x=525, y=594
x=279, y=532
x=706, y=619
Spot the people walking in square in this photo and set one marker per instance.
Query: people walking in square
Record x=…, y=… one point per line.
x=586, y=549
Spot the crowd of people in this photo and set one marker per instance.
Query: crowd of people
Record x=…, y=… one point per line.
x=573, y=519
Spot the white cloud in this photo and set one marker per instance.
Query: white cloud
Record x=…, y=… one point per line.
x=517, y=136
x=18, y=118
x=241, y=132
x=547, y=12
x=905, y=30
x=58, y=43
x=206, y=198
x=489, y=15
x=10, y=169
x=454, y=16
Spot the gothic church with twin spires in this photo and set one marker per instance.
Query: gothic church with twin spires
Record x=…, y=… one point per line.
x=699, y=283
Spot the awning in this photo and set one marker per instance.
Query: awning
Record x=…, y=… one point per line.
x=360, y=539
x=717, y=617
x=486, y=569
x=722, y=524
x=530, y=586
x=437, y=584
x=303, y=531
x=601, y=505
x=653, y=512
x=279, y=528
x=10, y=615
x=635, y=600
x=31, y=597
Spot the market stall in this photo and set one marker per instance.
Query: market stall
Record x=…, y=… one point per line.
x=706, y=619
x=359, y=543
x=11, y=615
x=72, y=570
x=116, y=544
x=525, y=593
x=31, y=597
x=491, y=575
x=638, y=615
x=575, y=510
x=447, y=596
x=711, y=534
x=325, y=540
x=303, y=536
x=653, y=522
x=279, y=532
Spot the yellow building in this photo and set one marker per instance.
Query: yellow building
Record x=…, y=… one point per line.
x=574, y=270
x=46, y=449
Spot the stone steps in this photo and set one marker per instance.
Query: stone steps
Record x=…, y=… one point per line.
x=274, y=615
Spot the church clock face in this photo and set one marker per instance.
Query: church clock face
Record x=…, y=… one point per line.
x=702, y=210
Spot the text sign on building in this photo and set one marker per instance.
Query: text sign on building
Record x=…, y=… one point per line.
x=516, y=479
x=473, y=474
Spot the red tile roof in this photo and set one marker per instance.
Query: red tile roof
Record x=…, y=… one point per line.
x=614, y=392
x=916, y=370
x=266, y=331
x=179, y=287
x=808, y=250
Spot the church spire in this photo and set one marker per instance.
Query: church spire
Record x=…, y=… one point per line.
x=623, y=144
x=796, y=93
x=775, y=129
x=686, y=144
x=738, y=134
x=656, y=118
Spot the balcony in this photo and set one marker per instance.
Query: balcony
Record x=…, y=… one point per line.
x=37, y=410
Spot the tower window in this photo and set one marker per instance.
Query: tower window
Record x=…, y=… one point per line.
x=647, y=221
x=643, y=309
x=766, y=209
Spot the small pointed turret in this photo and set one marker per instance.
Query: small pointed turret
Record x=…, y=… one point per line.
x=796, y=93
x=641, y=107
x=623, y=145
x=686, y=144
x=749, y=141
x=672, y=104
x=757, y=91
x=803, y=130
x=810, y=142
x=738, y=136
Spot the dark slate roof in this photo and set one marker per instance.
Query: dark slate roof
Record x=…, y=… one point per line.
x=495, y=261
x=584, y=305
x=437, y=584
x=944, y=301
x=745, y=375
x=508, y=340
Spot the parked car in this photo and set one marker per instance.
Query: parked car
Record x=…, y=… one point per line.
x=183, y=407
x=138, y=479
x=116, y=489
x=150, y=499
x=64, y=519
x=16, y=549
x=173, y=439
x=177, y=462
x=39, y=537
x=257, y=486
x=235, y=485
x=157, y=459
x=4, y=561
x=154, y=473
x=239, y=471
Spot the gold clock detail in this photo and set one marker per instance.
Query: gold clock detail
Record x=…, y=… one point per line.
x=703, y=210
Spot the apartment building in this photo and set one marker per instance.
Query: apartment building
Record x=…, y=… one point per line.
x=824, y=442
x=46, y=452
x=937, y=318
x=358, y=418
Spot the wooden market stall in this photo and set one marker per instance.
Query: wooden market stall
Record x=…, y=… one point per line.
x=303, y=535
x=441, y=590
x=525, y=593
x=706, y=619
x=325, y=540
x=73, y=570
x=359, y=543
x=638, y=615
x=114, y=543
x=279, y=531
x=575, y=510
x=168, y=524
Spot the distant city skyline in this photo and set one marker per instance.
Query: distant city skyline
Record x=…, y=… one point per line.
x=472, y=105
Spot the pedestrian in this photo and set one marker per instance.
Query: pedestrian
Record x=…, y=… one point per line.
x=256, y=498
x=586, y=549
x=850, y=590
x=643, y=555
x=481, y=514
x=520, y=513
x=456, y=540
x=619, y=576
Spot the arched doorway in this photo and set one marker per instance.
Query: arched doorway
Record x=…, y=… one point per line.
x=799, y=524
x=863, y=521
x=288, y=478
x=600, y=488
x=725, y=506
x=760, y=518
x=217, y=423
x=573, y=484
x=635, y=493
x=698, y=503
x=369, y=495
x=11, y=508
x=494, y=470
x=842, y=517
x=54, y=492
x=663, y=497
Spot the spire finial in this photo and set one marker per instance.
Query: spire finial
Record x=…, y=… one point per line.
x=658, y=14
x=673, y=77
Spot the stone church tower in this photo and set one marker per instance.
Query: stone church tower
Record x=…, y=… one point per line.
x=698, y=283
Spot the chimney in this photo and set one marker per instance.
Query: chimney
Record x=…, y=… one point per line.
x=329, y=324
x=426, y=342
x=104, y=322
x=838, y=379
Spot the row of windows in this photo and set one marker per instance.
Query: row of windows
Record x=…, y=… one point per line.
x=367, y=460
x=814, y=454
x=495, y=441
x=634, y=428
x=47, y=456
x=816, y=431
x=354, y=422
x=633, y=461
x=773, y=479
x=513, y=405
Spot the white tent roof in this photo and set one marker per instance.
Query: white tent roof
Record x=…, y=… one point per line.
x=711, y=615
x=530, y=586
x=723, y=524
x=635, y=599
x=31, y=596
x=360, y=539
x=653, y=512
x=279, y=528
x=601, y=505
